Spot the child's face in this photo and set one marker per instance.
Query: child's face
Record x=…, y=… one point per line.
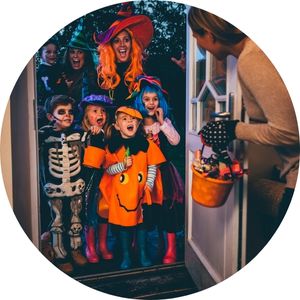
x=77, y=58
x=63, y=116
x=127, y=125
x=96, y=115
x=49, y=54
x=151, y=102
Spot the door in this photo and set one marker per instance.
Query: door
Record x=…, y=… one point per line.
x=214, y=248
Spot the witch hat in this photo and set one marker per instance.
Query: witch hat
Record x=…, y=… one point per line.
x=78, y=39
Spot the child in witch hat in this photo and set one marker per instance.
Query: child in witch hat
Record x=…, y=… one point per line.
x=95, y=118
x=120, y=49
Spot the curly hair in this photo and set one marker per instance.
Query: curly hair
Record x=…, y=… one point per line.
x=108, y=78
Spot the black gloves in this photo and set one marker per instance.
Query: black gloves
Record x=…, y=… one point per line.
x=218, y=134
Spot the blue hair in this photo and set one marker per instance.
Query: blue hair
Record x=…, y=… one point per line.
x=162, y=102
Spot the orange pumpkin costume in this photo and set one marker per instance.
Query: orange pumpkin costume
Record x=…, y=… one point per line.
x=123, y=194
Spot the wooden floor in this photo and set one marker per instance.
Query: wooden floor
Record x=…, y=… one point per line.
x=158, y=282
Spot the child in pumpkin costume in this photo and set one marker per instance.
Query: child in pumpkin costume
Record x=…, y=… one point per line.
x=131, y=163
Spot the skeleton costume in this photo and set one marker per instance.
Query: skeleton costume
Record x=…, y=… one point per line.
x=62, y=184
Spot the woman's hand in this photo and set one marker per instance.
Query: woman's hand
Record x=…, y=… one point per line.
x=181, y=62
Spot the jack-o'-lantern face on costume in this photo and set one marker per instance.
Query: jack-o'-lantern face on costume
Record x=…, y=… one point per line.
x=131, y=187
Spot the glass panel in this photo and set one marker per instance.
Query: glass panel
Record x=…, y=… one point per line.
x=200, y=69
x=208, y=107
x=218, y=75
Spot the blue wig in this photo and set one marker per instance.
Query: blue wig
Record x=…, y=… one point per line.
x=162, y=102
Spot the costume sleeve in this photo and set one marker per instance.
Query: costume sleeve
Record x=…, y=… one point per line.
x=170, y=132
x=151, y=175
x=154, y=154
x=93, y=157
x=116, y=168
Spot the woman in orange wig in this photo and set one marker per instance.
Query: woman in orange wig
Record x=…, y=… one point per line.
x=120, y=49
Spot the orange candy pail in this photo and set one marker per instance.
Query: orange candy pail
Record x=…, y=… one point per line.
x=210, y=192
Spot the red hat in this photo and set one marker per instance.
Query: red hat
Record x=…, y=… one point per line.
x=140, y=26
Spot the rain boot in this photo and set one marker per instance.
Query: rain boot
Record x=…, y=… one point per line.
x=102, y=242
x=170, y=255
x=90, y=249
x=125, y=241
x=144, y=260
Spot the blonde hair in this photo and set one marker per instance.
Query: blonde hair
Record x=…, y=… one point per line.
x=108, y=78
x=202, y=21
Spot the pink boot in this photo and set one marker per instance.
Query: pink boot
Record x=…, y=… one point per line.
x=102, y=244
x=90, y=249
x=170, y=255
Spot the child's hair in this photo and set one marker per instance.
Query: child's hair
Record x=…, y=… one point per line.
x=53, y=101
x=107, y=71
x=162, y=102
x=50, y=41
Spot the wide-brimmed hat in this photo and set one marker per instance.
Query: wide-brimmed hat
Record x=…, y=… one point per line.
x=143, y=80
x=140, y=26
x=94, y=99
x=129, y=111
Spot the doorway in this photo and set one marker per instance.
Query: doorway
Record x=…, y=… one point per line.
x=158, y=64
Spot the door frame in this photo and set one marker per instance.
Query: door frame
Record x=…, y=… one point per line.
x=234, y=251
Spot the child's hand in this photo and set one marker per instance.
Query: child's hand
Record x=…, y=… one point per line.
x=95, y=129
x=69, y=83
x=127, y=162
x=159, y=115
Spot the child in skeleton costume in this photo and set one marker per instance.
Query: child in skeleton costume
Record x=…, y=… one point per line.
x=131, y=164
x=61, y=179
x=150, y=100
x=95, y=116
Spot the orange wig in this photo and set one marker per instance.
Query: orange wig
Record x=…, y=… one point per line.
x=108, y=77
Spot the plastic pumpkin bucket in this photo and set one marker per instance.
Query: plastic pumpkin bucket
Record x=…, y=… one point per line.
x=210, y=192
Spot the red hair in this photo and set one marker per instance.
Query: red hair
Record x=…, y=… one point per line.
x=108, y=78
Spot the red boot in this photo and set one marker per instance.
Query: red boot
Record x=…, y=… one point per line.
x=170, y=256
x=102, y=245
x=90, y=248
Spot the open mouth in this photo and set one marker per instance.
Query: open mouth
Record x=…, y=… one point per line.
x=99, y=121
x=123, y=53
x=76, y=63
x=130, y=128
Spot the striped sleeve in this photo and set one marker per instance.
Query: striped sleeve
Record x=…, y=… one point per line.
x=151, y=176
x=115, y=168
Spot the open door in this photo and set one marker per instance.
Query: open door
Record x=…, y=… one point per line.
x=214, y=248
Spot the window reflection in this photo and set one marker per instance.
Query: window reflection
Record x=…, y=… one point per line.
x=208, y=106
x=200, y=69
x=218, y=75
x=194, y=116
